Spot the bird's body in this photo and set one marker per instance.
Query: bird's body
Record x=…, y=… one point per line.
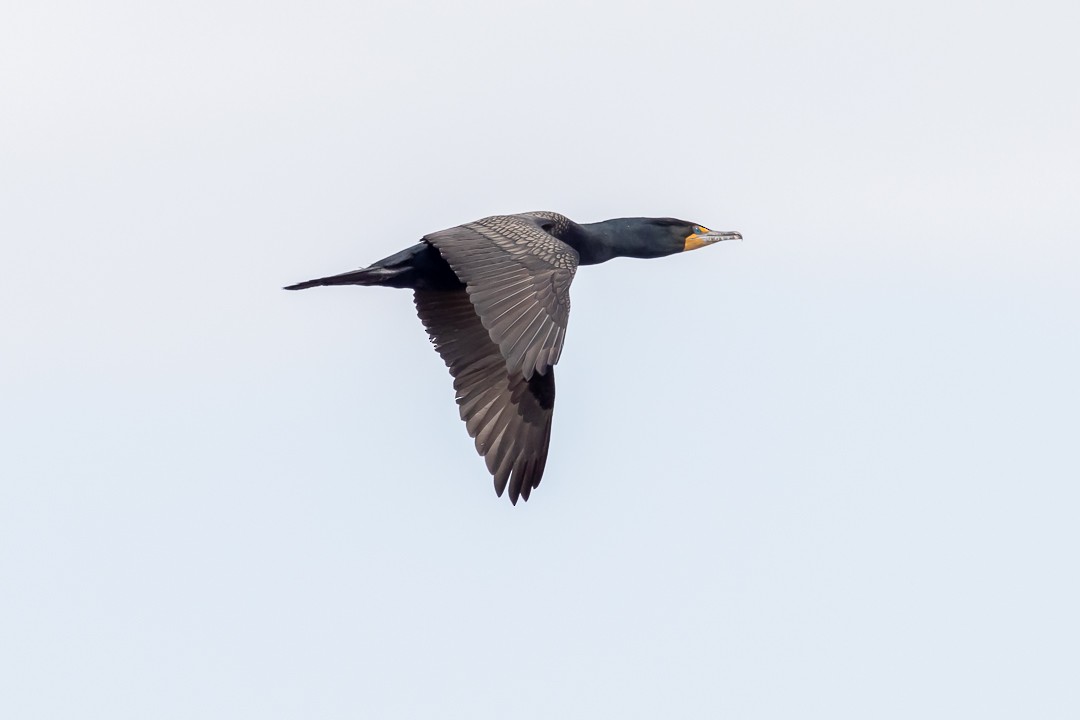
x=494, y=296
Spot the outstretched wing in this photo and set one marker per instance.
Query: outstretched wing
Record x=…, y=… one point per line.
x=508, y=415
x=518, y=278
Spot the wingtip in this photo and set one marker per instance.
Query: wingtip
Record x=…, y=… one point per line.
x=512, y=494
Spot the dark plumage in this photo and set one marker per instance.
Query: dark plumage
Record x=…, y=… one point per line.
x=494, y=296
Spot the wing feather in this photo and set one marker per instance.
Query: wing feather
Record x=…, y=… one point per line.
x=518, y=279
x=507, y=414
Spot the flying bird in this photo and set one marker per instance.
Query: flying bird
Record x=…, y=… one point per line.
x=494, y=296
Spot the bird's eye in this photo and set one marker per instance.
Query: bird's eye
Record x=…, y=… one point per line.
x=701, y=230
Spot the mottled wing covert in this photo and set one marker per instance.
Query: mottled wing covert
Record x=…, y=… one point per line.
x=518, y=278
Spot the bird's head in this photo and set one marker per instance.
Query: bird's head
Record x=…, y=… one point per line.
x=694, y=236
x=657, y=237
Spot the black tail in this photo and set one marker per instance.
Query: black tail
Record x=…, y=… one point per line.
x=363, y=276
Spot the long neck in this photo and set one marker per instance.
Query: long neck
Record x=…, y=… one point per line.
x=622, y=237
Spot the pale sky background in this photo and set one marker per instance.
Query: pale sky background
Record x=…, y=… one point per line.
x=828, y=472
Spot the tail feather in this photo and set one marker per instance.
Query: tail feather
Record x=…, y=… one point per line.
x=363, y=276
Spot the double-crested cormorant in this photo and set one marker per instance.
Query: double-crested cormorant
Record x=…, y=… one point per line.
x=494, y=296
